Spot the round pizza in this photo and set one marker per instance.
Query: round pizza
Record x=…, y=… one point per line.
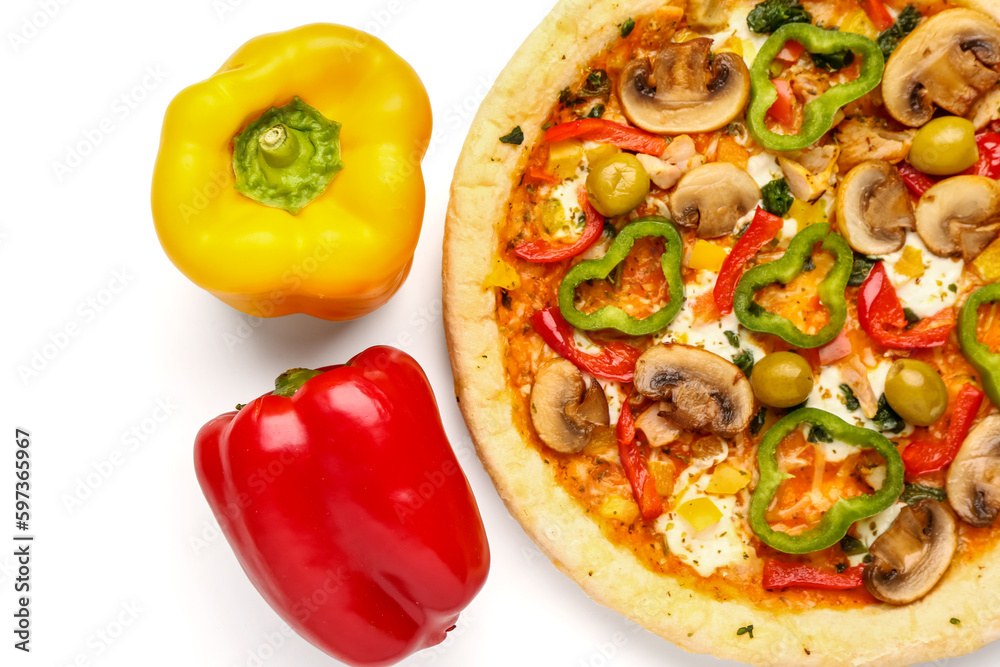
x=721, y=285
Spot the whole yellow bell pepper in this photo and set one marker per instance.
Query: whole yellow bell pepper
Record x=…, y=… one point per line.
x=290, y=180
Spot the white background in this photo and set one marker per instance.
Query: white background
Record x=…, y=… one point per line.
x=128, y=568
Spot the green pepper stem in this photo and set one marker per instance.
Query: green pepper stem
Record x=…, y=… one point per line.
x=279, y=146
x=292, y=380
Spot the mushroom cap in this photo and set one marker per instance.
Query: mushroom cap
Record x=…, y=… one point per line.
x=910, y=558
x=974, y=476
x=960, y=214
x=685, y=89
x=713, y=197
x=947, y=61
x=566, y=405
x=873, y=208
x=698, y=390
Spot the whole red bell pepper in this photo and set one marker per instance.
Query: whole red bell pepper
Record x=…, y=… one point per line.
x=880, y=312
x=778, y=574
x=616, y=360
x=347, y=508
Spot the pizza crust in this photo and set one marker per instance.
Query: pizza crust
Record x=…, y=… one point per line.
x=549, y=60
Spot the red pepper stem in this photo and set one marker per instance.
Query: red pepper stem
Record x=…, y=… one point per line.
x=291, y=380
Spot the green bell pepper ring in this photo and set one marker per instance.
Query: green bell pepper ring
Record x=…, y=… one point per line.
x=831, y=290
x=819, y=113
x=612, y=317
x=987, y=363
x=835, y=522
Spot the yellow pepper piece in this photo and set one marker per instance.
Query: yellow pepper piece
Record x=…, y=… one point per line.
x=616, y=507
x=503, y=275
x=565, y=158
x=349, y=249
x=807, y=214
x=911, y=263
x=857, y=21
x=706, y=256
x=727, y=480
x=663, y=475
x=700, y=513
x=987, y=264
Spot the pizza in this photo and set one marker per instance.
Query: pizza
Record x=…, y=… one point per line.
x=721, y=284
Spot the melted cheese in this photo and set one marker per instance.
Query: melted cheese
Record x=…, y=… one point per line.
x=826, y=395
x=763, y=168
x=930, y=292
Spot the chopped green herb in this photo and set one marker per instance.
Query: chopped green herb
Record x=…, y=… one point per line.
x=733, y=338
x=516, y=136
x=744, y=361
x=911, y=317
x=776, y=197
x=818, y=434
x=240, y=406
x=955, y=621
x=862, y=267
x=886, y=418
x=598, y=83
x=568, y=99
x=915, y=492
x=867, y=559
x=841, y=567
x=904, y=25
x=832, y=62
x=627, y=27
x=757, y=423
x=808, y=265
x=596, y=111
x=952, y=287
x=770, y=15
x=609, y=229
x=748, y=630
x=850, y=400
x=852, y=546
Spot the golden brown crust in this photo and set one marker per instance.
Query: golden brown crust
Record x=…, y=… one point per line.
x=551, y=59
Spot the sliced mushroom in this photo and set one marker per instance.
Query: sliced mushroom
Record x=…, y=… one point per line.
x=974, y=477
x=698, y=390
x=808, y=174
x=948, y=61
x=910, y=558
x=685, y=89
x=873, y=208
x=707, y=15
x=863, y=138
x=985, y=110
x=713, y=197
x=960, y=214
x=566, y=405
x=659, y=430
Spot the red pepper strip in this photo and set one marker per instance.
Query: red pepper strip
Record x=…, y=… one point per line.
x=615, y=362
x=917, y=181
x=927, y=456
x=879, y=308
x=783, y=108
x=784, y=575
x=598, y=129
x=539, y=174
x=764, y=227
x=989, y=156
x=791, y=52
x=643, y=485
x=877, y=12
x=543, y=252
